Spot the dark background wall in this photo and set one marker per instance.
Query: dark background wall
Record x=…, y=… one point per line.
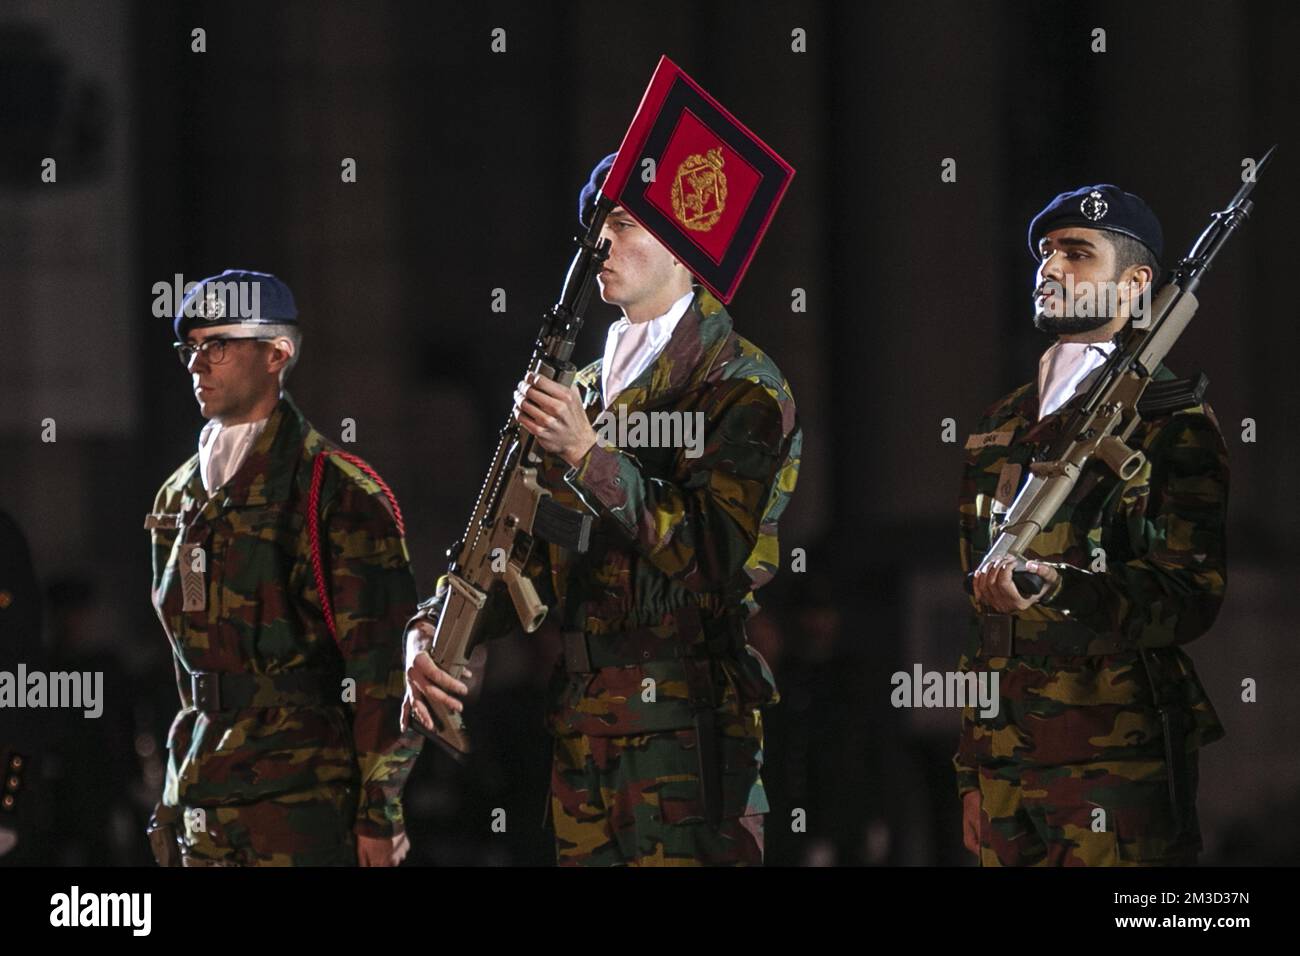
x=469, y=162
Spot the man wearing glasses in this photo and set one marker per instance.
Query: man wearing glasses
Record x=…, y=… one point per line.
x=287, y=749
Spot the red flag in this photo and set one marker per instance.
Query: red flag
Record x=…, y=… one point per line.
x=716, y=184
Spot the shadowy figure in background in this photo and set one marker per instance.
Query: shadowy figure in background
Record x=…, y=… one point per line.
x=93, y=771
x=20, y=729
x=820, y=758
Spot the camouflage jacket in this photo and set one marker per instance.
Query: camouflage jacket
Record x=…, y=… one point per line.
x=673, y=532
x=1160, y=535
x=262, y=615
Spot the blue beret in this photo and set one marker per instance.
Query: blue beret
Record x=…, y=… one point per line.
x=587, y=198
x=236, y=297
x=1104, y=206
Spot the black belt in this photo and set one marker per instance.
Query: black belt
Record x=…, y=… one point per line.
x=999, y=638
x=214, y=692
x=587, y=653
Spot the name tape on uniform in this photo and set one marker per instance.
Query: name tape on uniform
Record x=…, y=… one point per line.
x=988, y=439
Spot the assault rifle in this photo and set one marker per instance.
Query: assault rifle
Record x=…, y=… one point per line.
x=513, y=510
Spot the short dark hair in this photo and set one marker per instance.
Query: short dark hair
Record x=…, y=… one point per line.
x=1129, y=252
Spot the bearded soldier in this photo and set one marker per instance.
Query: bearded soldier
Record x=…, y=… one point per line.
x=282, y=580
x=655, y=703
x=1091, y=758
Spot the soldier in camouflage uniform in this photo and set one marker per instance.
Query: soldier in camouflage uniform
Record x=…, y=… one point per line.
x=286, y=750
x=655, y=703
x=1091, y=758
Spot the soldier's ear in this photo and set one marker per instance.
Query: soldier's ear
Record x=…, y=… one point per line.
x=281, y=352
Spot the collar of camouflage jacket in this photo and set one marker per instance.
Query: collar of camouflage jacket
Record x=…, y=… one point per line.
x=1023, y=404
x=271, y=467
x=684, y=363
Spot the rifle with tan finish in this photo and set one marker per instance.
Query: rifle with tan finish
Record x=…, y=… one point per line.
x=513, y=510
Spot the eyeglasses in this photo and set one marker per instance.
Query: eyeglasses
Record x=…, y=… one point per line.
x=214, y=349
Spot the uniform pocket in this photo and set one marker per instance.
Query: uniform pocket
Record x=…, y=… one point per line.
x=265, y=547
x=751, y=679
x=740, y=754
x=1148, y=830
x=263, y=574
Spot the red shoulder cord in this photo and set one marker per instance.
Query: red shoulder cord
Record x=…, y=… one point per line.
x=313, y=513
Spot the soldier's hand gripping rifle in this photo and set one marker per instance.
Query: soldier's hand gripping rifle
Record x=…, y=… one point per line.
x=513, y=510
x=1102, y=424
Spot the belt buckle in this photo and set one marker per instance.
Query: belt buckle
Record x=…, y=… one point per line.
x=205, y=691
x=996, y=635
x=576, y=658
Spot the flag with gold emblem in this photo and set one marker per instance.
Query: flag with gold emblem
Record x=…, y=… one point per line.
x=712, y=187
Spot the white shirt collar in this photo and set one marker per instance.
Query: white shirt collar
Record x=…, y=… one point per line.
x=1063, y=368
x=223, y=448
x=657, y=333
x=660, y=328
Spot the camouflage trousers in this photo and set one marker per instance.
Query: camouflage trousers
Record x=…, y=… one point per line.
x=636, y=800
x=313, y=828
x=1107, y=813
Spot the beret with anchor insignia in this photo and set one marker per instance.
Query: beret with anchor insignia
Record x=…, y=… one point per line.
x=1103, y=206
